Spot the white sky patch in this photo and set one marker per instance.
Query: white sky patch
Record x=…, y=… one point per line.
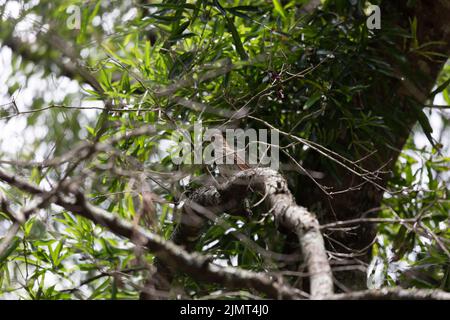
x=230, y=230
x=15, y=135
x=435, y=117
x=222, y=262
x=12, y=8
x=210, y=245
x=130, y=15
x=109, y=19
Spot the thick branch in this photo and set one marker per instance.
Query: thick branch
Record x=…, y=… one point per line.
x=294, y=218
x=282, y=205
x=197, y=266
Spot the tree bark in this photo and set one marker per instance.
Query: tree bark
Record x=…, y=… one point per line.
x=432, y=18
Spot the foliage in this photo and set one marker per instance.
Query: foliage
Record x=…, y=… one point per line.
x=173, y=63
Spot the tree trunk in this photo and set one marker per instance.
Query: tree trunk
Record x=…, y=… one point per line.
x=432, y=25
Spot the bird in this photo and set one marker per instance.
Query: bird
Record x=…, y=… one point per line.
x=226, y=167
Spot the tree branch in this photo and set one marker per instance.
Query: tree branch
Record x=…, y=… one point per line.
x=196, y=265
x=229, y=196
x=393, y=294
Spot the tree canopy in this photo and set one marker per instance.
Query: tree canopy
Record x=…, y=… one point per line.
x=93, y=205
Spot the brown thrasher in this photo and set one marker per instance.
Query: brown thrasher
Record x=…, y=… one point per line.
x=227, y=169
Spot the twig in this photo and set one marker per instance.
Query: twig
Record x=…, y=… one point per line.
x=393, y=294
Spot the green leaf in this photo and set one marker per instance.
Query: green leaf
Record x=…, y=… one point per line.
x=182, y=64
x=14, y=244
x=279, y=8
x=55, y=254
x=37, y=230
x=424, y=123
x=170, y=6
x=236, y=39
x=312, y=100
x=439, y=89
x=220, y=8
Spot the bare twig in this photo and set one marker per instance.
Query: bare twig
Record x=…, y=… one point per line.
x=393, y=294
